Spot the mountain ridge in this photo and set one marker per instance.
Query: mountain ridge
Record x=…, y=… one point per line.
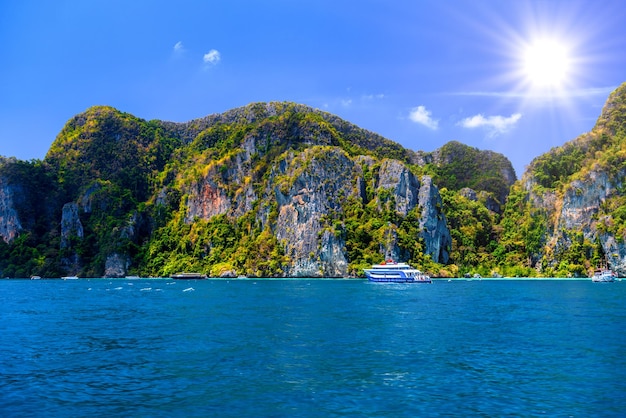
x=576, y=197
x=126, y=187
x=280, y=189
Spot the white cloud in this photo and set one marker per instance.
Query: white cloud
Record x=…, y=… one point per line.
x=179, y=47
x=368, y=97
x=422, y=116
x=212, y=57
x=495, y=125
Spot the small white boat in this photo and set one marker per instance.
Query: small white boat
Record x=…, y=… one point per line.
x=70, y=277
x=391, y=272
x=188, y=276
x=603, y=275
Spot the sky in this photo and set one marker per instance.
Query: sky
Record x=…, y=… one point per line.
x=516, y=77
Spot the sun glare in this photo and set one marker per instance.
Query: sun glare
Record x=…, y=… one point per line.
x=546, y=63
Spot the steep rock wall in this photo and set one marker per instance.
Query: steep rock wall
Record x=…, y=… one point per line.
x=310, y=189
x=71, y=227
x=435, y=232
x=396, y=177
x=579, y=209
x=10, y=225
x=207, y=199
x=71, y=230
x=408, y=193
x=321, y=180
x=116, y=265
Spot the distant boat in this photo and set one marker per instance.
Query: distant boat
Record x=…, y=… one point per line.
x=603, y=275
x=391, y=272
x=35, y=277
x=188, y=276
x=70, y=277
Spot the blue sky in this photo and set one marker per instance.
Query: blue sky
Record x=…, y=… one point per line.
x=418, y=72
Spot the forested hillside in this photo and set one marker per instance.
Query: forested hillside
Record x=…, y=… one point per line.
x=280, y=189
x=457, y=166
x=567, y=214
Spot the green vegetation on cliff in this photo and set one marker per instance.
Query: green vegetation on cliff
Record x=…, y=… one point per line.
x=566, y=216
x=155, y=198
x=132, y=180
x=456, y=166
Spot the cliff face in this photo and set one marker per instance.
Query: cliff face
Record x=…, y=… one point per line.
x=314, y=183
x=310, y=190
x=269, y=189
x=397, y=178
x=433, y=222
x=458, y=166
x=72, y=234
x=578, y=190
x=278, y=189
x=581, y=210
x=10, y=225
x=71, y=227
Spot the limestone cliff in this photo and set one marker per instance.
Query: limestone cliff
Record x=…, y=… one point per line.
x=71, y=227
x=72, y=234
x=396, y=177
x=409, y=193
x=116, y=265
x=275, y=189
x=10, y=225
x=433, y=222
x=311, y=189
x=579, y=190
x=459, y=166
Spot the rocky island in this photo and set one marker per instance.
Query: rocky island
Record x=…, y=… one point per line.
x=283, y=190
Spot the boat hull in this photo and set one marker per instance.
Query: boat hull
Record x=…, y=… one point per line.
x=397, y=280
x=188, y=276
x=392, y=272
x=603, y=279
x=603, y=276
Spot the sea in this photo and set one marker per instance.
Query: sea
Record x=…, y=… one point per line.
x=312, y=348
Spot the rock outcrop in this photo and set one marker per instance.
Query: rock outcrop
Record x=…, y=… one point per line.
x=435, y=231
x=71, y=234
x=484, y=197
x=206, y=200
x=311, y=189
x=315, y=183
x=10, y=225
x=397, y=178
x=116, y=265
x=460, y=166
x=580, y=200
x=71, y=227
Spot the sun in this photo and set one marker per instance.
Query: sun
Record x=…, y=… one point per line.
x=546, y=63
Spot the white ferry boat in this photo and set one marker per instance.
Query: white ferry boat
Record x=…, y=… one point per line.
x=391, y=272
x=603, y=275
x=188, y=276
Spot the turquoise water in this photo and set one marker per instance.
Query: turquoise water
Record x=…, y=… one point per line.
x=311, y=348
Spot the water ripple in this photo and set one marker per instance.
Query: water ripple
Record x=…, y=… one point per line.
x=311, y=348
